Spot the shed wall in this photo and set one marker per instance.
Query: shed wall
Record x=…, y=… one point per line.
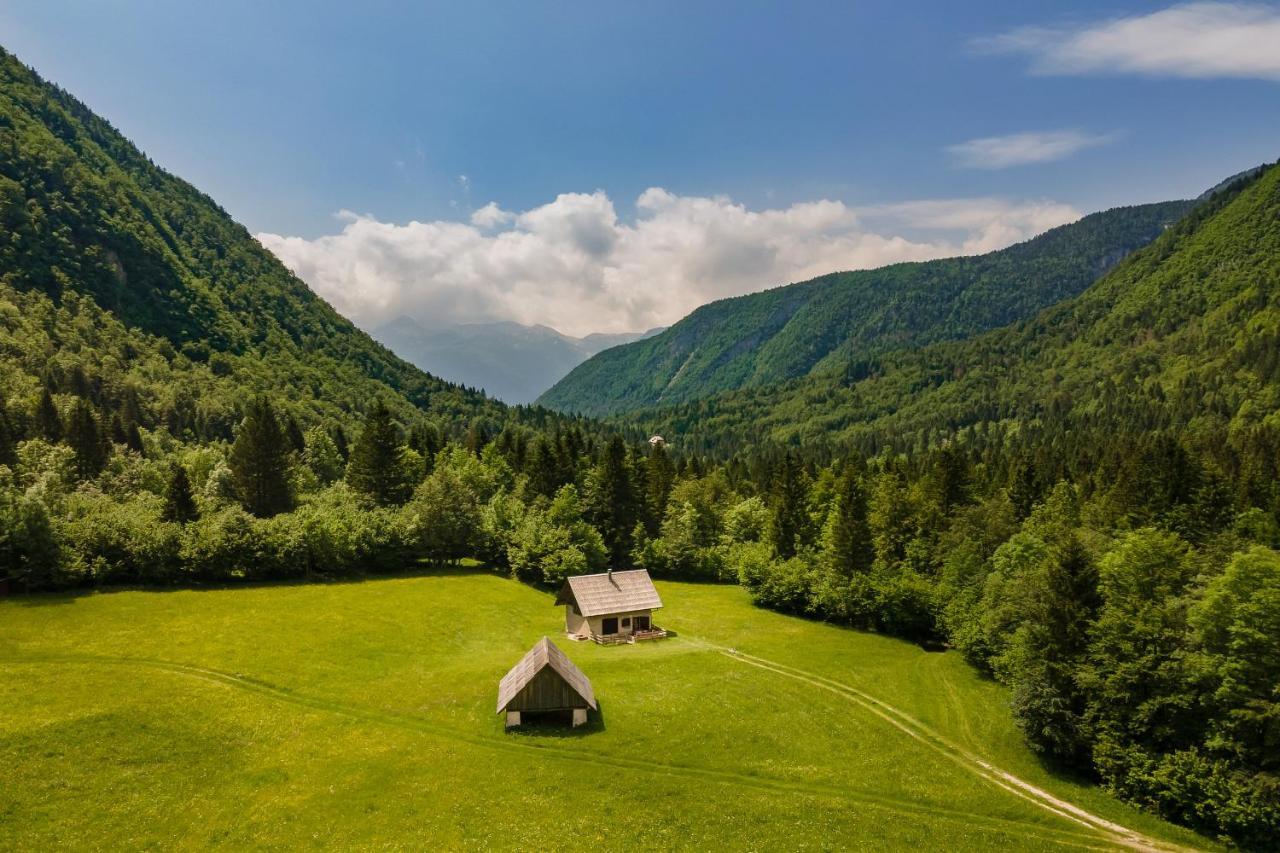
x=546, y=692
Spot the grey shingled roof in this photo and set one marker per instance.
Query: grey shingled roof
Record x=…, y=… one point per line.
x=619, y=592
x=544, y=653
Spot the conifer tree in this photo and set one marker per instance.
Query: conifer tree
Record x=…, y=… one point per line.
x=85, y=437
x=48, y=420
x=851, y=548
x=660, y=475
x=425, y=439
x=543, y=467
x=790, y=510
x=259, y=462
x=615, y=508
x=179, y=502
x=294, y=434
x=340, y=442
x=477, y=437
x=375, y=466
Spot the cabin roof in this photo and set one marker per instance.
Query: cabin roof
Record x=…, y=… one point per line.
x=610, y=592
x=543, y=654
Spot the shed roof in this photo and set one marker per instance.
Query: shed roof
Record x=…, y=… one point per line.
x=610, y=592
x=543, y=654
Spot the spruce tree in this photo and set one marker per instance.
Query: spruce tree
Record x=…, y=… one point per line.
x=294, y=433
x=790, y=507
x=852, y=550
x=179, y=502
x=615, y=508
x=340, y=442
x=375, y=466
x=86, y=439
x=543, y=467
x=661, y=474
x=48, y=420
x=259, y=462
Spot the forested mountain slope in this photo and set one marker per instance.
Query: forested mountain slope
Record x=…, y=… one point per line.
x=819, y=325
x=1185, y=332
x=85, y=214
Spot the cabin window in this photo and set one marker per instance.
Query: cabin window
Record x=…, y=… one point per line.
x=626, y=622
x=642, y=623
x=609, y=626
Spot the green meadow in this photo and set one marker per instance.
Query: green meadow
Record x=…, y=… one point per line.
x=361, y=715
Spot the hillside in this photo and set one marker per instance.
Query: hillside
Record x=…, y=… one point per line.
x=363, y=714
x=509, y=361
x=94, y=228
x=1182, y=332
x=820, y=325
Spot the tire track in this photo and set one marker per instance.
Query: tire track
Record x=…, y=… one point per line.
x=913, y=728
x=1064, y=837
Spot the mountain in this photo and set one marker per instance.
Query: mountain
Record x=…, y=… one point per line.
x=512, y=362
x=153, y=293
x=824, y=323
x=1184, y=333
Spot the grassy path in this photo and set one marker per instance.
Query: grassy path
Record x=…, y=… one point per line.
x=1111, y=831
x=516, y=743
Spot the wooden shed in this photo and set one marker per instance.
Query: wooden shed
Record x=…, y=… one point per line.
x=545, y=682
x=613, y=607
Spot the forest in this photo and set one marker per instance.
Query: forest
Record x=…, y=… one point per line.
x=1084, y=504
x=819, y=326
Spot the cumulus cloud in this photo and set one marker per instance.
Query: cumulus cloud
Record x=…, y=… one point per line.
x=575, y=265
x=1196, y=40
x=1020, y=149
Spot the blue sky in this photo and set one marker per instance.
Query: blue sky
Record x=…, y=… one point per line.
x=290, y=112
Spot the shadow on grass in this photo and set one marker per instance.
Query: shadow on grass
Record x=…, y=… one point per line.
x=556, y=726
x=417, y=569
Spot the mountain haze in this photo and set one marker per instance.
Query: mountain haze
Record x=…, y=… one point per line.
x=510, y=361
x=825, y=323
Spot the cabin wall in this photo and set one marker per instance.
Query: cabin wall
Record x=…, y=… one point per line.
x=596, y=623
x=574, y=622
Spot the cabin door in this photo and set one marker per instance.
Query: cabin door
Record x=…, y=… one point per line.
x=609, y=625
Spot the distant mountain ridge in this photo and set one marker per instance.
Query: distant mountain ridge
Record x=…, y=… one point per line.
x=1184, y=331
x=828, y=322
x=509, y=361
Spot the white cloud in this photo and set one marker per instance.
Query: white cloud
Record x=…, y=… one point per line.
x=572, y=264
x=1197, y=40
x=1020, y=149
x=491, y=216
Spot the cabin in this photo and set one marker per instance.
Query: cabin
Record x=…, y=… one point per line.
x=545, y=684
x=612, y=607
x=657, y=441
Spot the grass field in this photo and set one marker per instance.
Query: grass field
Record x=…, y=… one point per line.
x=362, y=715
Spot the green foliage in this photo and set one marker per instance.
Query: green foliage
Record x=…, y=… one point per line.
x=376, y=466
x=550, y=545
x=846, y=536
x=259, y=462
x=791, y=525
x=615, y=506
x=179, y=502
x=29, y=548
x=86, y=440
